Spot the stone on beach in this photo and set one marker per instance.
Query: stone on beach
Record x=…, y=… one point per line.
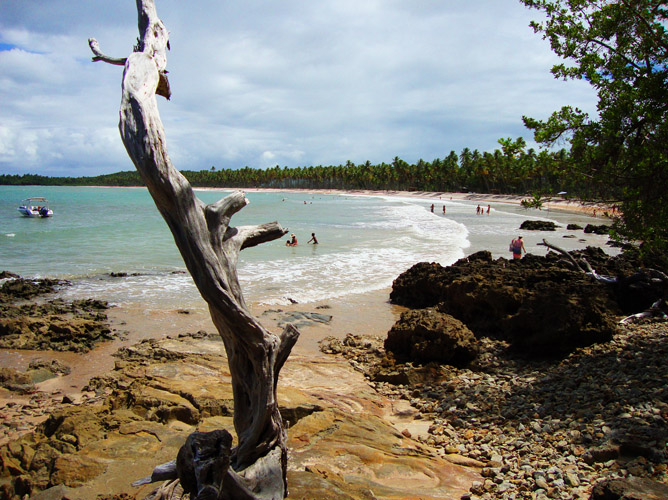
x=538, y=225
x=426, y=335
x=52, y=324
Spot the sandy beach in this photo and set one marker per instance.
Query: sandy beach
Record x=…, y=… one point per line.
x=549, y=203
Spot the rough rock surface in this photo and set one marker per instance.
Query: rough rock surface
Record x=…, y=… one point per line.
x=632, y=488
x=426, y=335
x=27, y=321
x=542, y=306
x=20, y=288
x=38, y=371
x=341, y=443
x=600, y=229
x=538, y=225
x=541, y=429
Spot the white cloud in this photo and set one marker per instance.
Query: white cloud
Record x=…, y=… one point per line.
x=289, y=83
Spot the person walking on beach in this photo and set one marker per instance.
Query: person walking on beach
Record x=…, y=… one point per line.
x=516, y=246
x=313, y=239
x=432, y=208
x=443, y=209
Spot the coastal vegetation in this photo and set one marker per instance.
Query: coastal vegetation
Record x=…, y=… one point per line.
x=621, y=49
x=511, y=169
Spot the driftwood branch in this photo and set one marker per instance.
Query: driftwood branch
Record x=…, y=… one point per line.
x=210, y=247
x=545, y=243
x=163, y=472
x=99, y=56
x=657, y=309
x=581, y=265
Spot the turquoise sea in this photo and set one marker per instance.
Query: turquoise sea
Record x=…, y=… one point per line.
x=365, y=242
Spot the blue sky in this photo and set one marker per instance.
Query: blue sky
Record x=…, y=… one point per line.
x=293, y=83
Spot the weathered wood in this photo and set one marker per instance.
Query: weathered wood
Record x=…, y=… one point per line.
x=210, y=248
x=656, y=310
x=583, y=265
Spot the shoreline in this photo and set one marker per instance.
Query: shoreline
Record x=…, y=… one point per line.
x=552, y=203
x=368, y=313
x=410, y=411
x=594, y=209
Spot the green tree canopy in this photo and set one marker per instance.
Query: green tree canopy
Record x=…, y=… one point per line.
x=621, y=48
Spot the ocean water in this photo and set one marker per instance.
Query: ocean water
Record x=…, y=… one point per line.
x=365, y=242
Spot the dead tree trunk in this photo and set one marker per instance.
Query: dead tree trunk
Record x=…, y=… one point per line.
x=210, y=248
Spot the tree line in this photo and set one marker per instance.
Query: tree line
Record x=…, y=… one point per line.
x=511, y=169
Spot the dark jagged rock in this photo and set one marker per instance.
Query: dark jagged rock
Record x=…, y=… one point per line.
x=601, y=229
x=538, y=225
x=543, y=306
x=49, y=325
x=573, y=227
x=630, y=488
x=8, y=275
x=427, y=335
x=27, y=289
x=549, y=323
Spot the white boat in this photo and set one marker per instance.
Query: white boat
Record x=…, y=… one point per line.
x=35, y=207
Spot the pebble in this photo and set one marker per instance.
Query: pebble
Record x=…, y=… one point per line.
x=532, y=424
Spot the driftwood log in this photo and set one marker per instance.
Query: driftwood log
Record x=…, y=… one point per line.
x=209, y=245
x=659, y=308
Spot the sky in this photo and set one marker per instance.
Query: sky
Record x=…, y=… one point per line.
x=289, y=83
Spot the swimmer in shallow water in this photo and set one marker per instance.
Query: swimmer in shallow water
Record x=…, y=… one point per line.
x=313, y=239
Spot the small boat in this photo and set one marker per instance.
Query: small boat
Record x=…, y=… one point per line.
x=35, y=207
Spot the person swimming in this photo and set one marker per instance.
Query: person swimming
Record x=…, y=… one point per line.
x=313, y=239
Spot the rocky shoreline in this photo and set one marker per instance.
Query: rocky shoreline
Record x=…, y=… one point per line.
x=539, y=429
x=485, y=414
x=523, y=369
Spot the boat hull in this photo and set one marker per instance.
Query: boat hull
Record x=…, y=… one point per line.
x=28, y=212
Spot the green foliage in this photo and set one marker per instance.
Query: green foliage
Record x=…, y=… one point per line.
x=513, y=169
x=535, y=202
x=621, y=48
x=127, y=178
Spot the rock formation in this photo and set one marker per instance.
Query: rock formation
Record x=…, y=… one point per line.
x=426, y=335
x=538, y=225
x=543, y=306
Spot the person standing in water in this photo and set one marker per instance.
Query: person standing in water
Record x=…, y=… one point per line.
x=313, y=239
x=516, y=246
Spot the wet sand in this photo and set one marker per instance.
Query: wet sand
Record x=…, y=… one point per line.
x=549, y=203
x=362, y=314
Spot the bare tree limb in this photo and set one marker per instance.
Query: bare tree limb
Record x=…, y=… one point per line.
x=587, y=269
x=210, y=247
x=99, y=56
